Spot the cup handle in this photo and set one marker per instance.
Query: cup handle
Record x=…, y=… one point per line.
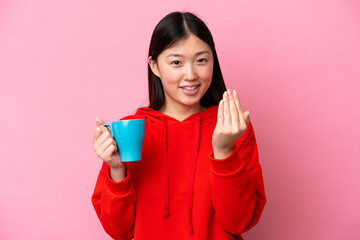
x=107, y=125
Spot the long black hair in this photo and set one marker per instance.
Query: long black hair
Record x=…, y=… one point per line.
x=174, y=27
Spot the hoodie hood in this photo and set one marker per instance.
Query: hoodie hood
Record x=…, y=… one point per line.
x=165, y=121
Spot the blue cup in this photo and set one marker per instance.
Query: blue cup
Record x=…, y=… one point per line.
x=129, y=136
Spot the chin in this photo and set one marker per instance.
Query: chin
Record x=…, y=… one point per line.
x=191, y=103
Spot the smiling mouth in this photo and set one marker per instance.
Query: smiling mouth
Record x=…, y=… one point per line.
x=190, y=88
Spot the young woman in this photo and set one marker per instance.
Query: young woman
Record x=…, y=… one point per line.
x=199, y=177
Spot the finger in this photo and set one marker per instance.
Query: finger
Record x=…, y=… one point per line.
x=237, y=101
x=97, y=133
x=104, y=129
x=99, y=121
x=227, y=118
x=106, y=144
x=109, y=151
x=234, y=113
x=98, y=130
x=104, y=137
x=247, y=117
x=240, y=109
x=220, y=120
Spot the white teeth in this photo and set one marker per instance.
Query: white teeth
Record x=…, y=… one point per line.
x=190, y=88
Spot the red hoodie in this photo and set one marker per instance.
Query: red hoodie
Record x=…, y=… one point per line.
x=179, y=190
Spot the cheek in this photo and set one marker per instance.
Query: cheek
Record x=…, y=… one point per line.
x=169, y=81
x=206, y=74
x=170, y=77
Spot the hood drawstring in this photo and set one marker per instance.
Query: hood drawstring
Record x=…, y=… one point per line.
x=165, y=170
x=192, y=172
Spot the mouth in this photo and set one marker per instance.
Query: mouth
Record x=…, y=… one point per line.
x=190, y=87
x=190, y=90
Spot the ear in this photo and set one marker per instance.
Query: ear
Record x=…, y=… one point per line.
x=154, y=66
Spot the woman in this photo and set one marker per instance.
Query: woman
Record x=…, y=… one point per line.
x=199, y=177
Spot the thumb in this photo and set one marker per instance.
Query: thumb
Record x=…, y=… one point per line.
x=99, y=121
x=247, y=117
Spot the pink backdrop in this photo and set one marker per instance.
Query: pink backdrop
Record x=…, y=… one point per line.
x=295, y=64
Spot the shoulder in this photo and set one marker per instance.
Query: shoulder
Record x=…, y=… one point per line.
x=139, y=114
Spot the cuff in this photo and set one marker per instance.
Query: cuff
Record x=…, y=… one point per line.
x=119, y=188
x=227, y=165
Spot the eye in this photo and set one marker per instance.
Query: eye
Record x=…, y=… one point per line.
x=202, y=60
x=176, y=62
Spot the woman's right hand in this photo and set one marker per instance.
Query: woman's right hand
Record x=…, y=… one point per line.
x=106, y=148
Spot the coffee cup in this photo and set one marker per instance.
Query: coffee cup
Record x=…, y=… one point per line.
x=129, y=136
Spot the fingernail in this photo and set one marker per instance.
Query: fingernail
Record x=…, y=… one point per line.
x=98, y=129
x=234, y=92
x=225, y=93
x=221, y=102
x=229, y=92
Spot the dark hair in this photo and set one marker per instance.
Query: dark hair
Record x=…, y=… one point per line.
x=174, y=27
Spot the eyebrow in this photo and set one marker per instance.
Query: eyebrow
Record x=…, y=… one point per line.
x=179, y=55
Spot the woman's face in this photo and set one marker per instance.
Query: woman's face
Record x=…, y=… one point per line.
x=185, y=70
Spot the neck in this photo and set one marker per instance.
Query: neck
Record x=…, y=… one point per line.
x=181, y=112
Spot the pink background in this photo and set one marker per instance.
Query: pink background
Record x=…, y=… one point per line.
x=295, y=64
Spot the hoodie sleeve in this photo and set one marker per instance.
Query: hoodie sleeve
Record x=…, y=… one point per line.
x=114, y=204
x=238, y=187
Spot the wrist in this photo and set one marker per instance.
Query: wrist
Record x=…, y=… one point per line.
x=222, y=153
x=117, y=174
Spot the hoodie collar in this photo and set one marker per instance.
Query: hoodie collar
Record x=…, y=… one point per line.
x=157, y=116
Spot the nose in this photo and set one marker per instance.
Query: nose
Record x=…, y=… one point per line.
x=190, y=73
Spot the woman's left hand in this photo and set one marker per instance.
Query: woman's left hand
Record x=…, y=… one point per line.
x=231, y=124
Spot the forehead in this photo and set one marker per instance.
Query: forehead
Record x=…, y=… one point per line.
x=190, y=45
